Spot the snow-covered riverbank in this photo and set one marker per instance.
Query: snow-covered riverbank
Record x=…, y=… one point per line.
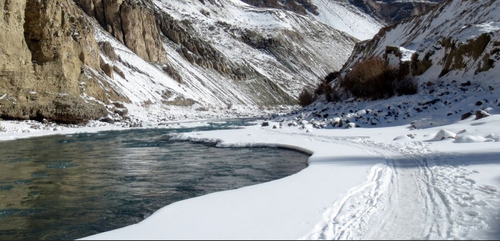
x=363, y=183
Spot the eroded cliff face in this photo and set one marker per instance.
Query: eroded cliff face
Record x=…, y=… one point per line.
x=459, y=39
x=49, y=61
x=74, y=60
x=390, y=11
x=133, y=23
x=267, y=55
x=15, y=57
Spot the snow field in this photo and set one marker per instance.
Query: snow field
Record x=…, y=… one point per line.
x=359, y=185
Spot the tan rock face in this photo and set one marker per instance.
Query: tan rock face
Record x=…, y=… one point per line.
x=46, y=47
x=15, y=57
x=131, y=22
x=60, y=43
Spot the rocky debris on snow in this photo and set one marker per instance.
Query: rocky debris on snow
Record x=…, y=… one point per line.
x=443, y=134
x=403, y=138
x=436, y=104
x=466, y=115
x=407, y=137
x=481, y=114
x=463, y=136
x=492, y=137
x=469, y=139
x=455, y=71
x=351, y=125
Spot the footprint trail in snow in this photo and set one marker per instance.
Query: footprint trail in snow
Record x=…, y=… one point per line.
x=415, y=194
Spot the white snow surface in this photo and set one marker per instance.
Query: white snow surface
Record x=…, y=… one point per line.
x=361, y=183
x=404, y=168
x=427, y=176
x=393, y=182
x=343, y=16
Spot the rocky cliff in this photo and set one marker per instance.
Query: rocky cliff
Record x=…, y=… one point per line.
x=391, y=12
x=448, y=57
x=74, y=61
x=49, y=58
x=386, y=11
x=457, y=38
x=133, y=23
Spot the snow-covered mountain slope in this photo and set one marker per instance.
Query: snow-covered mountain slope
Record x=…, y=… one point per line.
x=346, y=17
x=452, y=53
x=227, y=57
x=459, y=39
x=132, y=58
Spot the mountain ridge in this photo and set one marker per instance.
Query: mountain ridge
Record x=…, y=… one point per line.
x=216, y=58
x=451, y=54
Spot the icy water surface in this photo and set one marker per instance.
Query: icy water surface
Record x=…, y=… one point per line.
x=68, y=187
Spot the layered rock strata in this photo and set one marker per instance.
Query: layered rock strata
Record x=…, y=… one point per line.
x=133, y=23
x=49, y=61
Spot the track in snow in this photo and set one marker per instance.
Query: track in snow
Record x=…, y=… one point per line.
x=415, y=194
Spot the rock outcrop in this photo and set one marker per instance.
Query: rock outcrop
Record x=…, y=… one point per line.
x=463, y=41
x=75, y=60
x=391, y=11
x=386, y=11
x=192, y=48
x=49, y=59
x=133, y=23
x=298, y=6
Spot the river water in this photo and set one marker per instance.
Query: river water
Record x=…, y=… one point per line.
x=71, y=186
